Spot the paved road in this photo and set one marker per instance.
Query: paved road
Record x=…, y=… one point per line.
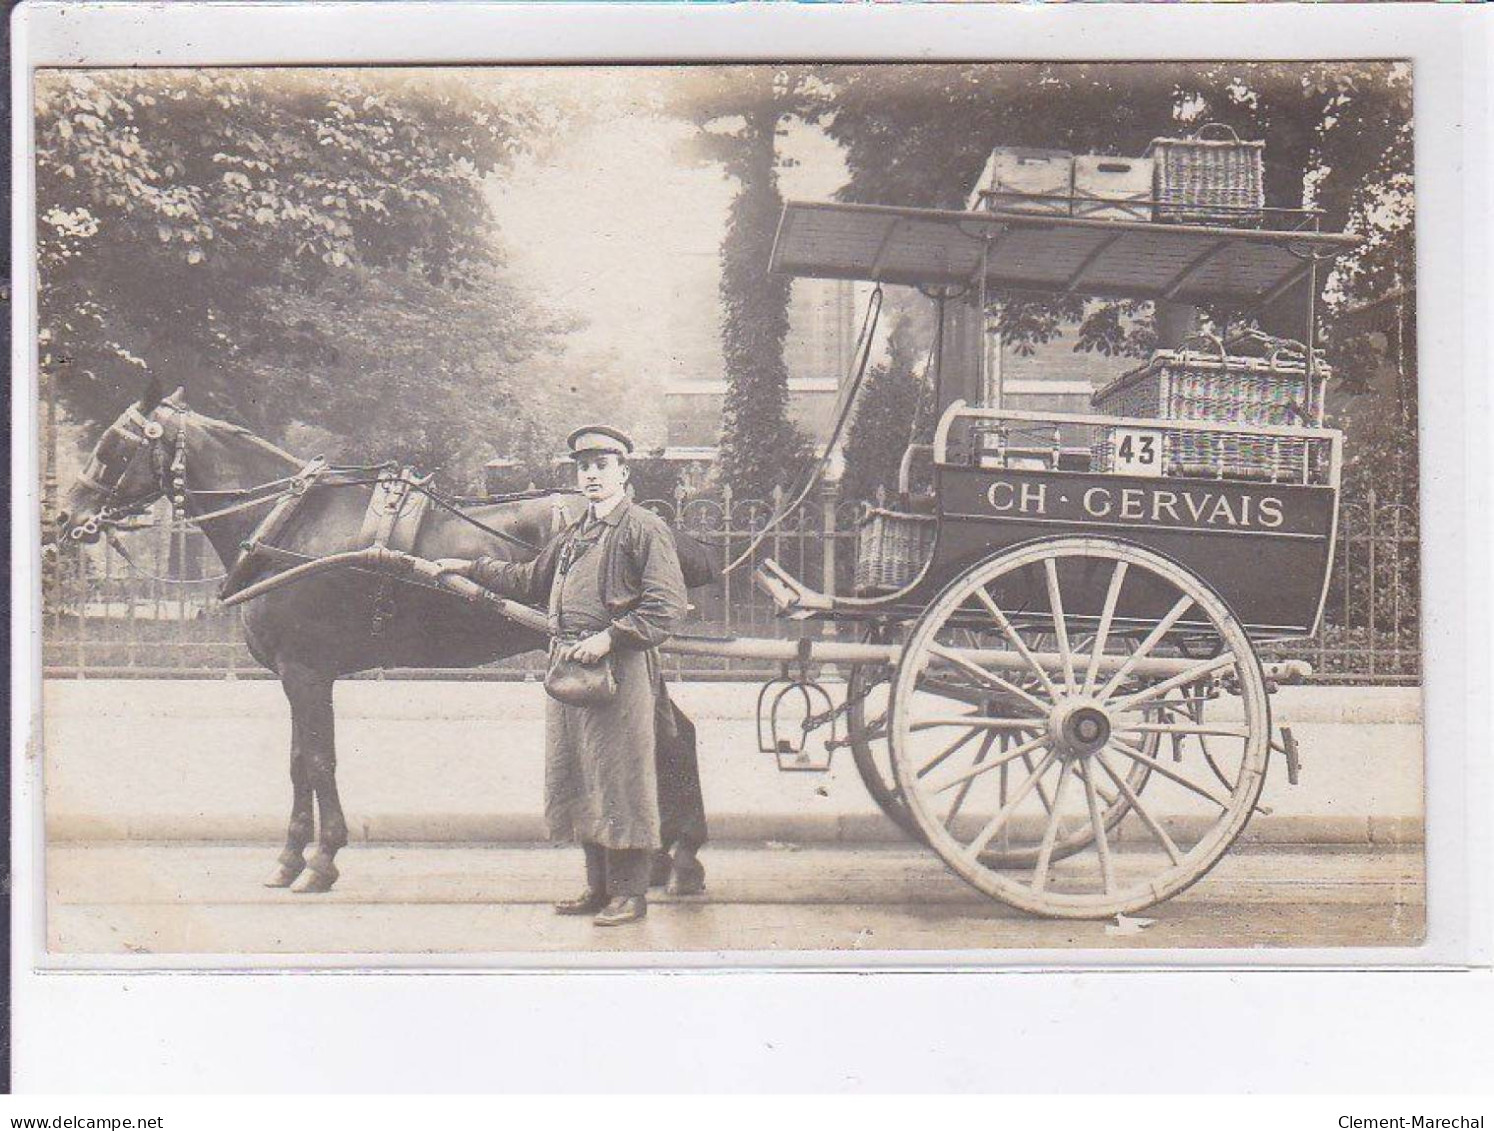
x=117, y=898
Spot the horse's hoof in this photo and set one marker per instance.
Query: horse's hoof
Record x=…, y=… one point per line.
x=285, y=875
x=315, y=881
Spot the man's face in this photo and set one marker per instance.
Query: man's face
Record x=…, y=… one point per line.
x=601, y=477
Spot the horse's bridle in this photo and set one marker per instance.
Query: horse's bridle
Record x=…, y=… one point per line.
x=170, y=478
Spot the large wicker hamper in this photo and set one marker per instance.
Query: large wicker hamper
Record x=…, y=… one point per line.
x=1209, y=383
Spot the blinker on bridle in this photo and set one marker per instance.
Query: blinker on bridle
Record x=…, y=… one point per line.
x=145, y=441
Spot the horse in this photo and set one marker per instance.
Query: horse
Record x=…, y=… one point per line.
x=312, y=632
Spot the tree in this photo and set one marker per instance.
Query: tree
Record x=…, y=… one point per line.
x=304, y=251
x=740, y=113
x=894, y=408
x=1338, y=135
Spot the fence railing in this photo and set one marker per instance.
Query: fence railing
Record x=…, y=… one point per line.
x=158, y=614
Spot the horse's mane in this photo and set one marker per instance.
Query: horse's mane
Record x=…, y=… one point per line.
x=213, y=424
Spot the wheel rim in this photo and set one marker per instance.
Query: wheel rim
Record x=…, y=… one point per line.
x=1033, y=796
x=867, y=688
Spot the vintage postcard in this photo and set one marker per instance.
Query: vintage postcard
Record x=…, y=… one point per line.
x=512, y=511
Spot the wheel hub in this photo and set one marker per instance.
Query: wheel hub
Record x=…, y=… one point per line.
x=1079, y=727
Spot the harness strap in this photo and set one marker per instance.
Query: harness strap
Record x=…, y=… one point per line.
x=119, y=549
x=395, y=510
x=452, y=509
x=270, y=525
x=394, y=513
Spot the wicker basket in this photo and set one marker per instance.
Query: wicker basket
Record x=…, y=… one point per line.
x=1209, y=180
x=891, y=548
x=1201, y=381
x=1207, y=383
x=1228, y=455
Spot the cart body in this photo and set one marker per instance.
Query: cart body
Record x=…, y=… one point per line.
x=1266, y=547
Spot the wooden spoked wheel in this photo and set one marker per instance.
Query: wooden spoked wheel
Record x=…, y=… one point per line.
x=1032, y=793
x=868, y=692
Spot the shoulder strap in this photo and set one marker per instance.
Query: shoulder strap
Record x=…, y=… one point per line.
x=270, y=525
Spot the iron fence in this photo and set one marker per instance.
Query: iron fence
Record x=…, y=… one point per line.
x=157, y=614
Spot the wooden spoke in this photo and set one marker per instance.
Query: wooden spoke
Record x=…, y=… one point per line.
x=1141, y=811
x=1162, y=628
x=1060, y=627
x=944, y=754
x=1108, y=797
x=1217, y=730
x=1050, y=833
x=952, y=689
x=1042, y=793
x=1102, y=634
x=1166, y=771
x=973, y=850
x=990, y=677
x=1001, y=759
x=1016, y=640
x=985, y=722
x=980, y=756
x=1097, y=822
x=1192, y=675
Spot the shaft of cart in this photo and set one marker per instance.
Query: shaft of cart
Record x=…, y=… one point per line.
x=396, y=562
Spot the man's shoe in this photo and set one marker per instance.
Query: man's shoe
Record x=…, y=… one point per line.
x=659, y=870
x=588, y=902
x=687, y=880
x=623, y=909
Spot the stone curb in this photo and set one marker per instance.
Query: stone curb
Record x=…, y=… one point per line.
x=784, y=828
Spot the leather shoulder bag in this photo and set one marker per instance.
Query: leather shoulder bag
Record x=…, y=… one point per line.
x=566, y=678
x=577, y=684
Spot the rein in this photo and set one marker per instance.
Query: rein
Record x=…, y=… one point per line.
x=171, y=483
x=118, y=546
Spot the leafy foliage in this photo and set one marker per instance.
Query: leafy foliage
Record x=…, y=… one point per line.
x=740, y=112
x=306, y=252
x=1338, y=137
x=895, y=408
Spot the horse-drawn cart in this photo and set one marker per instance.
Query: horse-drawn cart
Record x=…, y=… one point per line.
x=1053, y=681
x=1050, y=664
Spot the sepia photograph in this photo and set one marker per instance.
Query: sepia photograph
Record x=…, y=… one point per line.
x=498, y=514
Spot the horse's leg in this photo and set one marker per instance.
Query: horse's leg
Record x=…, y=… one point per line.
x=311, y=693
x=302, y=827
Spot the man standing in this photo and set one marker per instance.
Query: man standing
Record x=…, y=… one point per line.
x=615, y=593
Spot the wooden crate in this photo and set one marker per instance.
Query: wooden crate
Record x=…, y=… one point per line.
x=1027, y=180
x=1113, y=188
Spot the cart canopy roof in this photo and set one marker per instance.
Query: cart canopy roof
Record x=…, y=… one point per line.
x=1234, y=267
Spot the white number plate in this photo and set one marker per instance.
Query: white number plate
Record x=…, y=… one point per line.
x=1138, y=451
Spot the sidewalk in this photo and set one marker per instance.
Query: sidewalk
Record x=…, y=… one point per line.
x=463, y=762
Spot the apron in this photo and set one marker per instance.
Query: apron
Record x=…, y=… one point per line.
x=600, y=780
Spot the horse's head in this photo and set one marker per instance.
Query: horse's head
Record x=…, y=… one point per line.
x=130, y=467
